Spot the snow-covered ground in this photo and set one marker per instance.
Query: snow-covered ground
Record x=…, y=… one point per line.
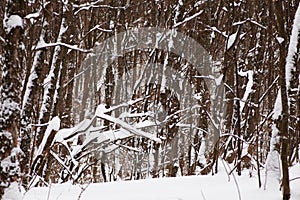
x=208, y=187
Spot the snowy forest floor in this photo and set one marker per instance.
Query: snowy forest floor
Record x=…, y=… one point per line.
x=220, y=186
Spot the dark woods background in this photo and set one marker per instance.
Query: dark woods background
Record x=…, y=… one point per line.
x=39, y=82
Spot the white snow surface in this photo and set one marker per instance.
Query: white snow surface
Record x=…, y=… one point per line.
x=13, y=192
x=11, y=22
x=209, y=187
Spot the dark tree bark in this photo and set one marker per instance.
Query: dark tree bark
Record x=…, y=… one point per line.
x=283, y=122
x=10, y=91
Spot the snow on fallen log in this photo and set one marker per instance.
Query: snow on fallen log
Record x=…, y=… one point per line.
x=101, y=113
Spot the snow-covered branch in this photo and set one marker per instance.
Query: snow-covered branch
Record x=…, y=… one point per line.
x=188, y=19
x=73, y=47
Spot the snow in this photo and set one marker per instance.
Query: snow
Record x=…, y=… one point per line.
x=95, y=4
x=13, y=192
x=188, y=19
x=131, y=102
x=249, y=75
x=11, y=22
x=42, y=45
x=273, y=159
x=164, y=78
x=33, y=75
x=231, y=40
x=100, y=112
x=219, y=80
x=215, y=29
x=65, y=133
x=126, y=126
x=47, y=81
x=6, y=163
x=145, y=123
x=117, y=135
x=95, y=135
x=124, y=115
x=292, y=51
x=109, y=135
x=280, y=39
x=239, y=23
x=7, y=107
x=201, y=155
x=29, y=85
x=98, y=27
x=278, y=106
x=219, y=186
x=275, y=139
x=54, y=124
x=295, y=183
x=258, y=24
x=273, y=167
x=32, y=15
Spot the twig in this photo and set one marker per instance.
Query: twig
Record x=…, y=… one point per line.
x=267, y=91
x=48, y=195
x=294, y=178
x=226, y=170
x=237, y=185
x=203, y=195
x=82, y=190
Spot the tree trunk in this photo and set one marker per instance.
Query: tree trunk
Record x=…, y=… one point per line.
x=10, y=92
x=283, y=123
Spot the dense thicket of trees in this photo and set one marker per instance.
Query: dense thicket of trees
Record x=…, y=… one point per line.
x=57, y=65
